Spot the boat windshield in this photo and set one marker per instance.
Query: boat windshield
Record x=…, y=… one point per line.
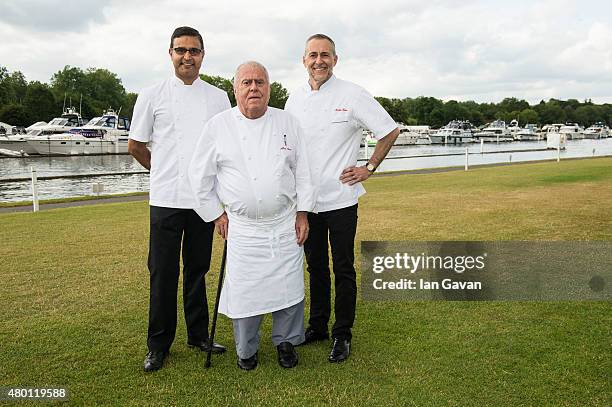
x=73, y=121
x=106, y=121
x=58, y=122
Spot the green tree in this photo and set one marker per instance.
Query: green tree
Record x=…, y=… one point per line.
x=40, y=102
x=436, y=117
x=221, y=83
x=102, y=89
x=278, y=95
x=130, y=101
x=395, y=108
x=550, y=112
x=528, y=116
x=68, y=84
x=589, y=115
x=5, y=91
x=423, y=108
x=455, y=111
x=513, y=104
x=12, y=86
x=15, y=114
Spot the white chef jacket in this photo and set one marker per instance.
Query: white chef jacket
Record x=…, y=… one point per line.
x=332, y=119
x=258, y=170
x=170, y=116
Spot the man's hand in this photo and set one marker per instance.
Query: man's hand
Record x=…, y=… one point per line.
x=221, y=225
x=353, y=175
x=301, y=227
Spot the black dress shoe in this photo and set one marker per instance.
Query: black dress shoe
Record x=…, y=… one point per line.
x=203, y=345
x=248, y=363
x=340, y=350
x=287, y=356
x=154, y=361
x=311, y=336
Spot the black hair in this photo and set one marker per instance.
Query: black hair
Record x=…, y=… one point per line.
x=186, y=31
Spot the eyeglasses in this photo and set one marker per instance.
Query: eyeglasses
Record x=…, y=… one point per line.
x=182, y=51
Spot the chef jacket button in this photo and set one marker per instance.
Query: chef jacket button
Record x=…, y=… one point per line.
x=249, y=157
x=254, y=178
x=259, y=200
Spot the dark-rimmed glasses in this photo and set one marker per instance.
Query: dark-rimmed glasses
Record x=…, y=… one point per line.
x=194, y=52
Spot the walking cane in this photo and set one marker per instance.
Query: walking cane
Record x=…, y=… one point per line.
x=216, y=311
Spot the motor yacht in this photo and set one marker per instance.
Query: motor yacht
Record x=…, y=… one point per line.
x=495, y=132
x=456, y=131
x=412, y=135
x=18, y=140
x=514, y=128
x=528, y=133
x=107, y=134
x=596, y=131
x=572, y=131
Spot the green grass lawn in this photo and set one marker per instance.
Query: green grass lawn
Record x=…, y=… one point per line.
x=75, y=298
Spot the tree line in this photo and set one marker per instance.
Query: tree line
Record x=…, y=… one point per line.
x=436, y=113
x=92, y=90
x=95, y=90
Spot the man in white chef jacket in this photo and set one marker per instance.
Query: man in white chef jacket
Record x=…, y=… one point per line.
x=251, y=177
x=169, y=116
x=332, y=113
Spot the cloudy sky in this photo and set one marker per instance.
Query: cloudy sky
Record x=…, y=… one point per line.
x=462, y=50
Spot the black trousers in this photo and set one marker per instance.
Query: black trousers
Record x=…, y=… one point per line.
x=170, y=227
x=341, y=226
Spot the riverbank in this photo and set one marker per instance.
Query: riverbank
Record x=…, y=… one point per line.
x=75, y=298
x=72, y=176
x=26, y=206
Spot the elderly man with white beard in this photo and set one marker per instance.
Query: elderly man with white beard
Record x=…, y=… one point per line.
x=250, y=175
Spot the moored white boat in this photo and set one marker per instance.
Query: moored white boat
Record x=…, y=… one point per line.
x=527, y=133
x=496, y=131
x=69, y=119
x=456, y=131
x=12, y=153
x=514, y=128
x=17, y=143
x=572, y=131
x=101, y=135
x=412, y=135
x=597, y=131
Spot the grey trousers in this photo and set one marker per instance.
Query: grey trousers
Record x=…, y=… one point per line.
x=287, y=326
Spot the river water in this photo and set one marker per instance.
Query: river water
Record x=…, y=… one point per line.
x=15, y=173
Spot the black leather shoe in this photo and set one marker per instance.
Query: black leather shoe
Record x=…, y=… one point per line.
x=249, y=363
x=154, y=361
x=287, y=356
x=311, y=336
x=203, y=345
x=340, y=350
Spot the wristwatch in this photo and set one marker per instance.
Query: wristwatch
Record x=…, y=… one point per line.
x=370, y=167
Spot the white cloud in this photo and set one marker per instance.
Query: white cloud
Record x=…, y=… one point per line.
x=481, y=50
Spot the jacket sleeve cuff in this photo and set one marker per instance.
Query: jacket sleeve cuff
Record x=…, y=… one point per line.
x=210, y=211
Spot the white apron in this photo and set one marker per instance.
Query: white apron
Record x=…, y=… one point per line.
x=264, y=270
